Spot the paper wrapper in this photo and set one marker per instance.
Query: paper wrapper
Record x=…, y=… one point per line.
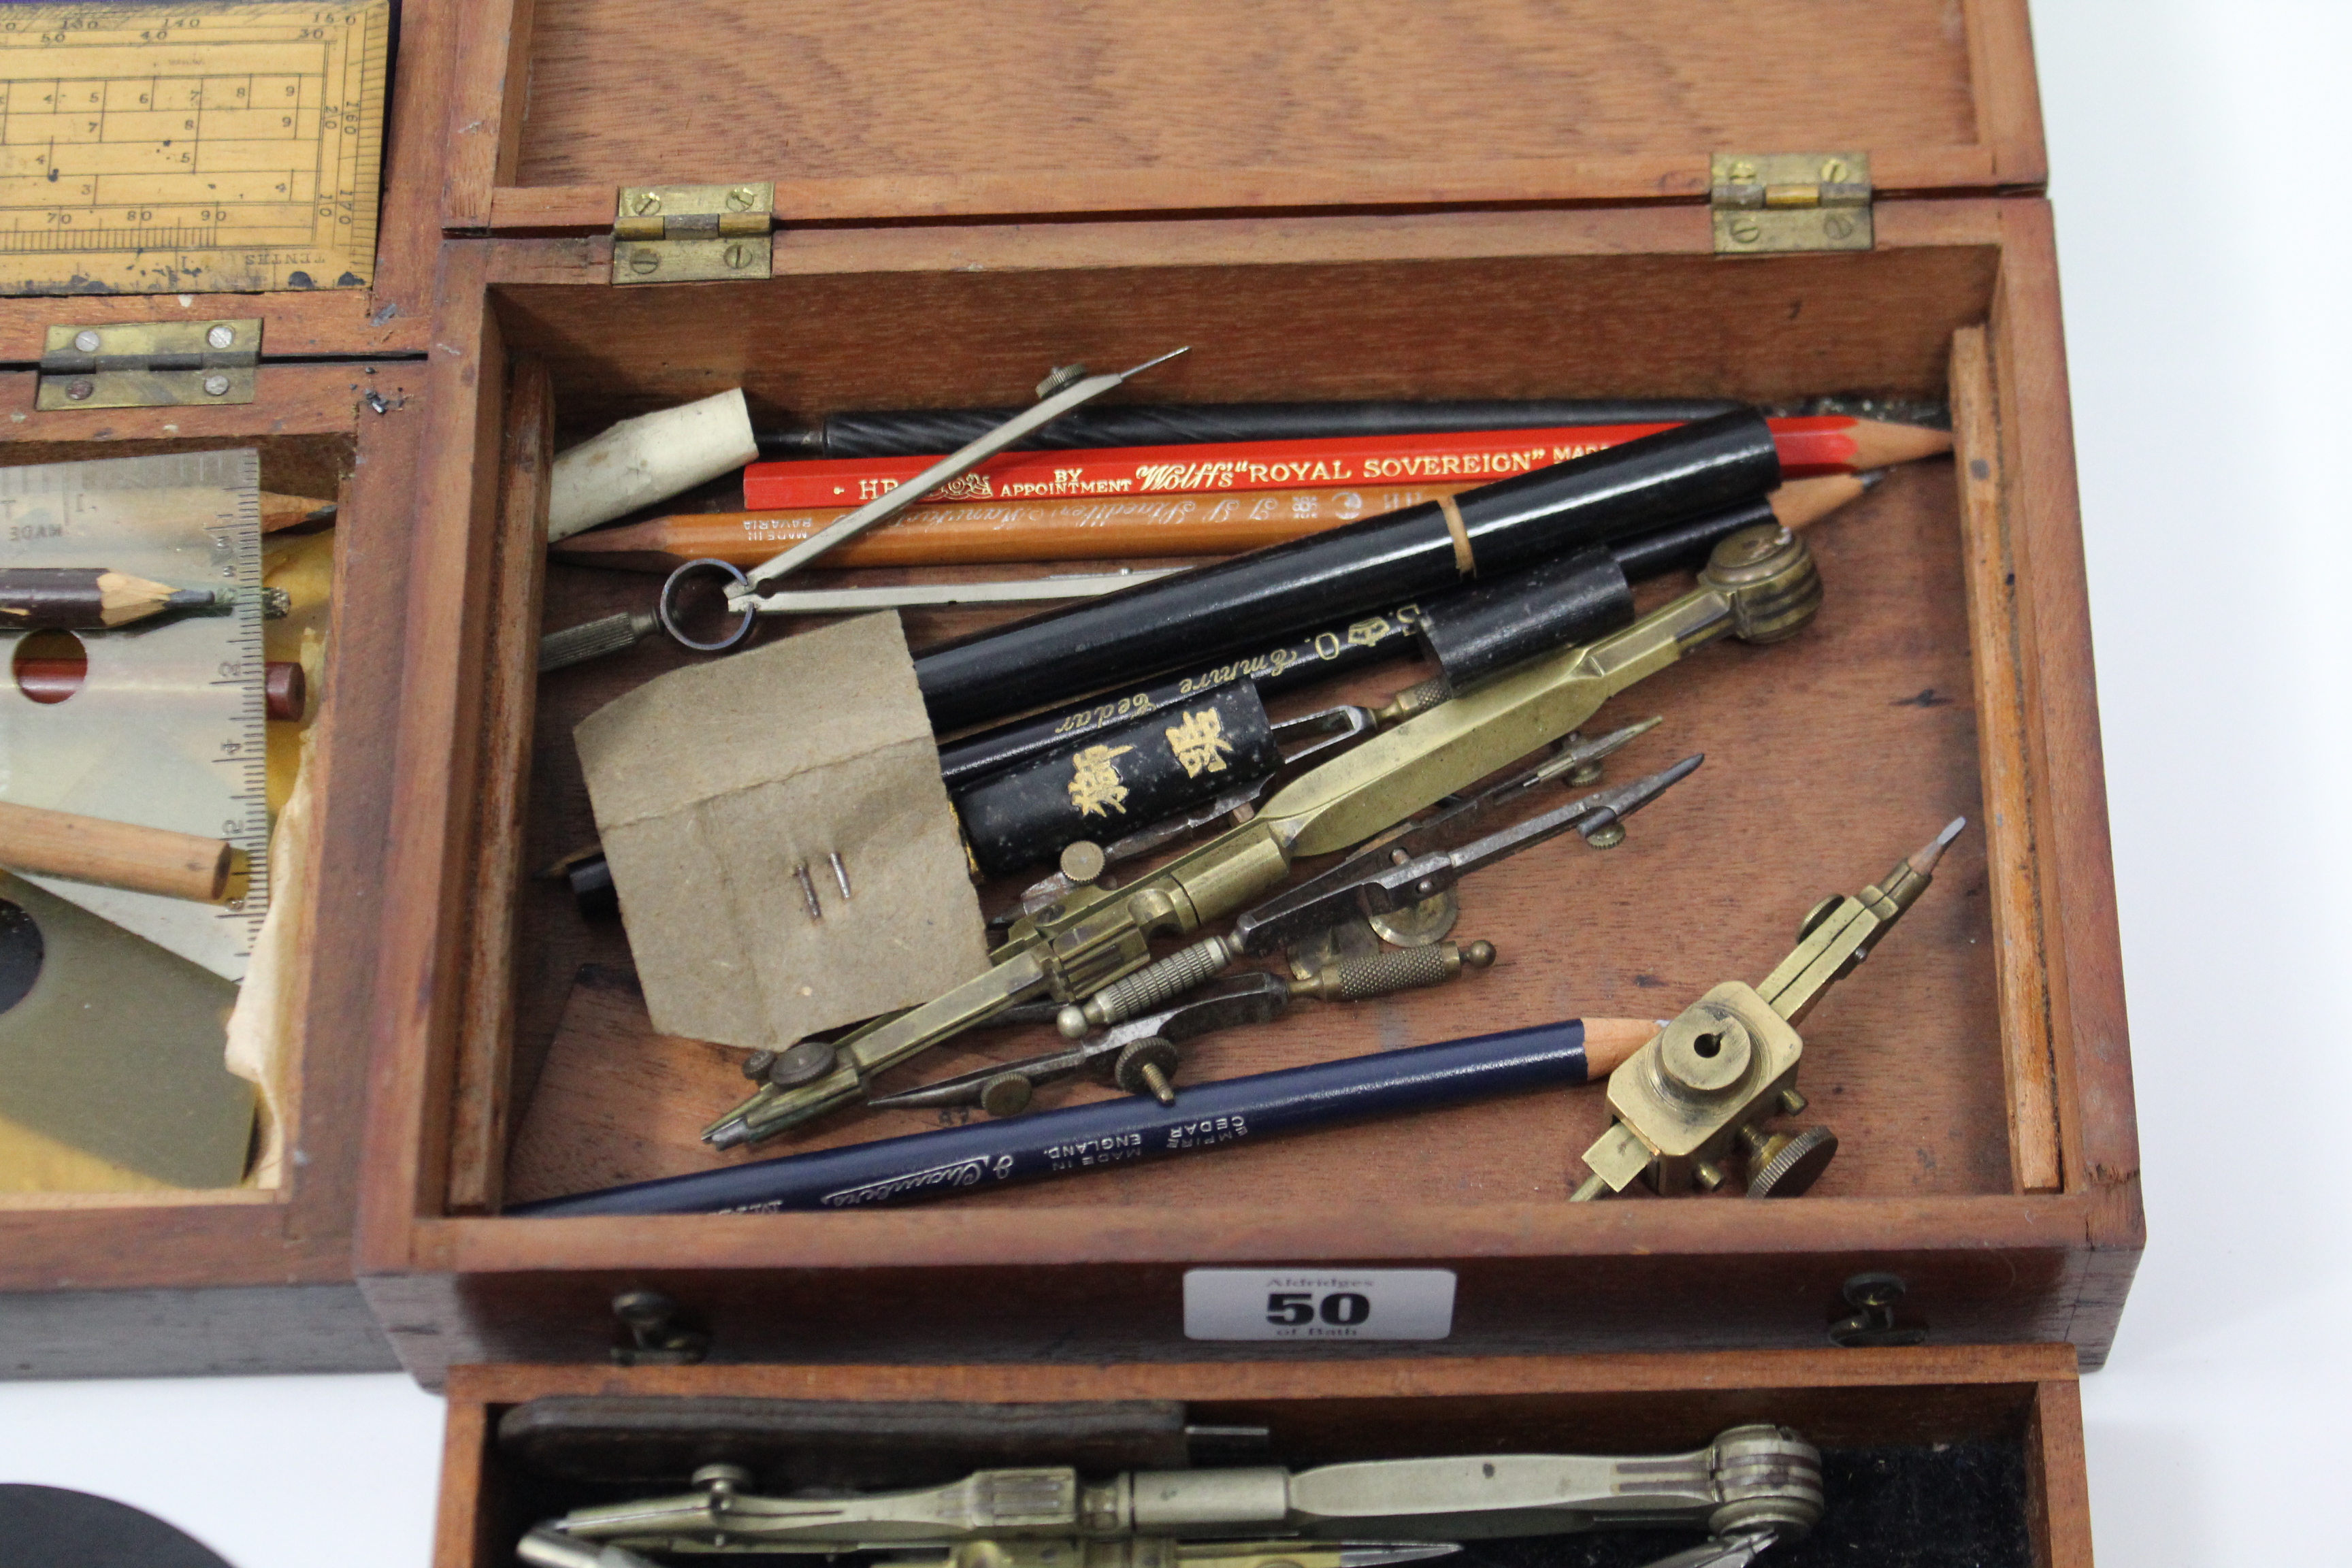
x=714, y=784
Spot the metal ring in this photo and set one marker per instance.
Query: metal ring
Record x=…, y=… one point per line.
x=663, y=607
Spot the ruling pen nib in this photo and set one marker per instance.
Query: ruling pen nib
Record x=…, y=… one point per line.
x=1625, y=799
x=1578, y=752
x=1147, y=364
x=1375, y=1554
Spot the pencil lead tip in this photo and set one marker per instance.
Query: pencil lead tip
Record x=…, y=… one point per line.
x=1872, y=479
x=1925, y=860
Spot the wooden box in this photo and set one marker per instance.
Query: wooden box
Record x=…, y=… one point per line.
x=1375, y=201
x=2013, y=1404
x=128, y=1284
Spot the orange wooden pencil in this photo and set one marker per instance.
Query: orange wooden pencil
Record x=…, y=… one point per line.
x=974, y=533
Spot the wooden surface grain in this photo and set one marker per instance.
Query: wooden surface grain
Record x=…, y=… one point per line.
x=486, y=1029
x=2007, y=93
x=2060, y=1494
x=417, y=144
x=436, y=738
x=904, y=111
x=2019, y=937
x=1288, y=239
x=488, y=97
x=357, y=705
x=2090, y=1031
x=1289, y=321
x=1666, y=178
x=329, y=321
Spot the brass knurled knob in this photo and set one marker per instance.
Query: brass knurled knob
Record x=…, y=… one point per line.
x=1783, y=1164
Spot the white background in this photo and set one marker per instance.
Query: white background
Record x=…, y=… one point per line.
x=2197, y=148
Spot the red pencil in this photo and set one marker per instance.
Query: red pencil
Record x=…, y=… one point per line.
x=1824, y=444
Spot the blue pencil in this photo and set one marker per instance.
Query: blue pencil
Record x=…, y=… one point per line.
x=987, y=1155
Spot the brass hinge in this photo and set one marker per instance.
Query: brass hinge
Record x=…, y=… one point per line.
x=148, y=364
x=692, y=234
x=1764, y=203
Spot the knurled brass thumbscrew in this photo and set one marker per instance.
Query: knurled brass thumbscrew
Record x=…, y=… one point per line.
x=1783, y=1164
x=1060, y=377
x=1006, y=1094
x=1143, y=1069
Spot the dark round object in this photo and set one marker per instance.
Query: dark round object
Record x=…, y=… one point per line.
x=1796, y=1167
x=285, y=690
x=50, y=666
x=804, y=1063
x=1868, y=1290
x=672, y=614
x=1154, y=1052
x=643, y=1308
x=50, y=1527
x=1006, y=1094
x=21, y=951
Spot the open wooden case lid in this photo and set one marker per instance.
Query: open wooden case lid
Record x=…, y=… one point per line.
x=910, y=110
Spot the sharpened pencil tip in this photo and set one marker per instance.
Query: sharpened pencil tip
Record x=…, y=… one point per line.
x=1871, y=478
x=1924, y=861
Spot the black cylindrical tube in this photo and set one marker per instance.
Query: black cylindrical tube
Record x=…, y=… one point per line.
x=1120, y=779
x=1323, y=655
x=1686, y=546
x=1291, y=663
x=917, y=431
x=987, y=1155
x=1173, y=621
x=1477, y=633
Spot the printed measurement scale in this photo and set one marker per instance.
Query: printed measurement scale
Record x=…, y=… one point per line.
x=169, y=728
x=190, y=149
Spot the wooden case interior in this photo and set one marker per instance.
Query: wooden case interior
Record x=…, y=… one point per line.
x=1335, y=1413
x=308, y=463
x=303, y=421
x=1828, y=758
x=305, y=424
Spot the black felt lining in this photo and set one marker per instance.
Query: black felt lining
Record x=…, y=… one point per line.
x=1951, y=1505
